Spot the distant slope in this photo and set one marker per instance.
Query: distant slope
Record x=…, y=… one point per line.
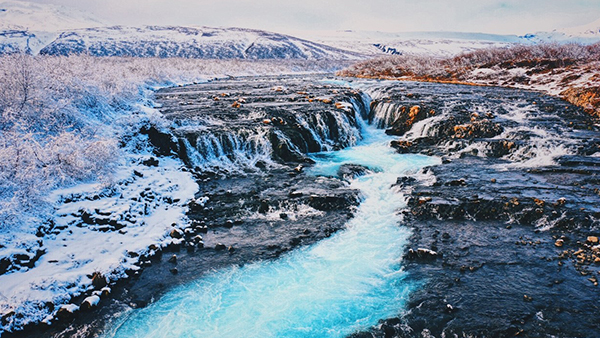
x=590, y=30
x=28, y=27
x=409, y=43
x=190, y=42
x=586, y=34
x=27, y=16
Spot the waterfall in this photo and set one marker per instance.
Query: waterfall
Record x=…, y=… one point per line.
x=240, y=148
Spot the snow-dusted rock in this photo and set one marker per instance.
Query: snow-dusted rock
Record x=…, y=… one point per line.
x=90, y=302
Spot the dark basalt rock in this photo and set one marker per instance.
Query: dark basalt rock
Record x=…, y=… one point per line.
x=333, y=202
x=63, y=314
x=516, y=260
x=4, y=265
x=350, y=171
x=163, y=142
x=98, y=280
x=421, y=254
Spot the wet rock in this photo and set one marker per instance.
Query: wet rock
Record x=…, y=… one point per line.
x=402, y=146
x=176, y=233
x=332, y=202
x=479, y=129
x=220, y=246
x=405, y=119
x=592, y=239
x=350, y=171
x=422, y=254
x=90, y=302
x=173, y=259
x=98, y=280
x=295, y=194
x=66, y=312
x=151, y=162
x=164, y=143
x=105, y=291
x=559, y=242
x=6, y=318
x=264, y=207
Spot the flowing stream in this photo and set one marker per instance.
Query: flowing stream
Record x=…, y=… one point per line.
x=331, y=289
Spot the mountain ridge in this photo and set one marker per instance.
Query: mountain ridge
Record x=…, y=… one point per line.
x=190, y=42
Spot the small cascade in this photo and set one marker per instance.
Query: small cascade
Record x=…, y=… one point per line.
x=283, y=139
x=362, y=104
x=383, y=114
x=229, y=150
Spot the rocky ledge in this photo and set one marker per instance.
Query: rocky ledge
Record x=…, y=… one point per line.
x=506, y=231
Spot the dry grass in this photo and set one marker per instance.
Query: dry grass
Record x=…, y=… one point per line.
x=571, y=71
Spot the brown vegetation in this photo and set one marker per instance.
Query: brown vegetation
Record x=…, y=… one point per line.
x=571, y=71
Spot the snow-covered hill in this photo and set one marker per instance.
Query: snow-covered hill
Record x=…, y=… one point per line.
x=26, y=26
x=409, y=43
x=190, y=42
x=27, y=16
x=587, y=34
x=590, y=30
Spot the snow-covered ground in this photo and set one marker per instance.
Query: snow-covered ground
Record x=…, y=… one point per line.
x=145, y=204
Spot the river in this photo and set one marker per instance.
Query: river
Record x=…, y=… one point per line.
x=342, y=284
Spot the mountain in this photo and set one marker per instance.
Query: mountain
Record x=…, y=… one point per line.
x=432, y=43
x=190, y=42
x=27, y=16
x=26, y=26
x=585, y=34
x=55, y=30
x=590, y=30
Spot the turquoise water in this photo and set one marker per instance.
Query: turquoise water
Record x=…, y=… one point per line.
x=342, y=284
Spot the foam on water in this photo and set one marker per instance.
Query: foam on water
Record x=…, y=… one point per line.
x=331, y=289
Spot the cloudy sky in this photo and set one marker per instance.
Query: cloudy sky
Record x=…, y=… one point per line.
x=488, y=16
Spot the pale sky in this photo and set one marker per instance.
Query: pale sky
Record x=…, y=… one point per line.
x=486, y=16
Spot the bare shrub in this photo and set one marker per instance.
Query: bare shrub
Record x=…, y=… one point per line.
x=547, y=56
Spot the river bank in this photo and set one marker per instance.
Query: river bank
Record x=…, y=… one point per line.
x=567, y=71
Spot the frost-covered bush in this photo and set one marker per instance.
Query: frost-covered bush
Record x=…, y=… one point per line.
x=46, y=138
